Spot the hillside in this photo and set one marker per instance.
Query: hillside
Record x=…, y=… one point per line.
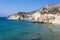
x=47, y=14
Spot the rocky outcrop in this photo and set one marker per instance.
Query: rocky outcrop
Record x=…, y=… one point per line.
x=47, y=14
x=20, y=15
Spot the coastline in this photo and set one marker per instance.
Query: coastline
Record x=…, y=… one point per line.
x=46, y=14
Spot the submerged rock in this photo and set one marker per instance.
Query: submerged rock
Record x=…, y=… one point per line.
x=36, y=36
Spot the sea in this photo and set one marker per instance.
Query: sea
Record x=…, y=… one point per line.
x=26, y=30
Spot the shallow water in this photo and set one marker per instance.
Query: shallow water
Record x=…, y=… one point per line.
x=26, y=30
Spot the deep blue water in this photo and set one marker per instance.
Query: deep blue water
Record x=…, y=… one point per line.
x=26, y=30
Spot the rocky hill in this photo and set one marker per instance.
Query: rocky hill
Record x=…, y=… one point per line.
x=47, y=14
x=51, y=9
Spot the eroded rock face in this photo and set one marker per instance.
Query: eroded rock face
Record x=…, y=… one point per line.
x=47, y=14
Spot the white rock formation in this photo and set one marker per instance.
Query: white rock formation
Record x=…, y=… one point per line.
x=14, y=17
x=35, y=16
x=47, y=14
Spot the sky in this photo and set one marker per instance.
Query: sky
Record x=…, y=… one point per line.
x=9, y=7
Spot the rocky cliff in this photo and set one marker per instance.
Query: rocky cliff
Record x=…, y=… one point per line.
x=47, y=14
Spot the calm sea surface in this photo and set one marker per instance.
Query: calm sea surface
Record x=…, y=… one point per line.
x=26, y=30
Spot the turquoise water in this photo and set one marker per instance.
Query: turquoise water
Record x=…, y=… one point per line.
x=26, y=30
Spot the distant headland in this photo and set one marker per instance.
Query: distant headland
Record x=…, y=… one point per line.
x=47, y=14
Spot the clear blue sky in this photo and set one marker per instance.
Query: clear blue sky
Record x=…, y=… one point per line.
x=8, y=7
